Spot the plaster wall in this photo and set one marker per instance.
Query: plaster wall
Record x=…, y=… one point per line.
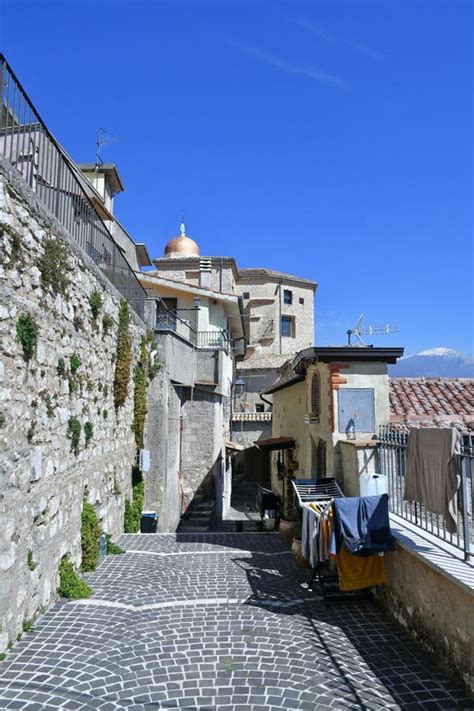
x=42, y=482
x=186, y=269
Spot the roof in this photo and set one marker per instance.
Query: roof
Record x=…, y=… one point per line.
x=110, y=169
x=259, y=360
x=331, y=354
x=276, y=443
x=261, y=272
x=438, y=401
x=283, y=383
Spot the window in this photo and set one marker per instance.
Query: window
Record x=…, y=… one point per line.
x=315, y=394
x=301, y=300
x=246, y=295
x=287, y=296
x=259, y=407
x=288, y=326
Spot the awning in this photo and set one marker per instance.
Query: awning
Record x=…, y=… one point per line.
x=276, y=443
x=234, y=446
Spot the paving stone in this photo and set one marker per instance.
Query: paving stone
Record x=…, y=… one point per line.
x=217, y=621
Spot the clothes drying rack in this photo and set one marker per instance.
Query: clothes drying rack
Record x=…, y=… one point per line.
x=322, y=492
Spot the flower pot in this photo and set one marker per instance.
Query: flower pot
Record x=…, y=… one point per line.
x=287, y=530
x=296, y=549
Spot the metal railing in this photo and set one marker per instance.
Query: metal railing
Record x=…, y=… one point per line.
x=393, y=459
x=215, y=340
x=168, y=320
x=28, y=145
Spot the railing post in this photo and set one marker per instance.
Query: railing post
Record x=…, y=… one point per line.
x=465, y=509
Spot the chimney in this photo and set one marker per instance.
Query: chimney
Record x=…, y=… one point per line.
x=205, y=268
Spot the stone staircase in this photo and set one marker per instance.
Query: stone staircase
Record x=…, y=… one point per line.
x=199, y=516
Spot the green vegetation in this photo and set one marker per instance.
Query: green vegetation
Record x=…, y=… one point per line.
x=106, y=390
x=3, y=656
x=31, y=432
x=105, y=414
x=28, y=625
x=90, y=534
x=95, y=302
x=3, y=419
x=140, y=394
x=117, y=490
x=74, y=363
x=113, y=548
x=31, y=564
x=15, y=248
x=48, y=401
x=54, y=266
x=133, y=508
x=88, y=432
x=123, y=356
x=74, y=434
x=27, y=334
x=61, y=367
x=107, y=323
x=70, y=584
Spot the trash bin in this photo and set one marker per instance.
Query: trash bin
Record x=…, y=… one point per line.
x=149, y=522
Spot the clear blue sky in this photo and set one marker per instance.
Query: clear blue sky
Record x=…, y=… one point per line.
x=327, y=139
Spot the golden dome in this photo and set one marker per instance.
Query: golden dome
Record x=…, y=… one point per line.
x=182, y=245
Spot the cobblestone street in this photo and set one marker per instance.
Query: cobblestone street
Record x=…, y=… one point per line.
x=217, y=621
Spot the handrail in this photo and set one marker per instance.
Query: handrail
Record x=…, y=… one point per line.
x=29, y=146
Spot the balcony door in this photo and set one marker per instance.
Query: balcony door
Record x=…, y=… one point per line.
x=166, y=313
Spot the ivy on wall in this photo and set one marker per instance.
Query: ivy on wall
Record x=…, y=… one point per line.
x=133, y=508
x=54, y=265
x=27, y=334
x=140, y=394
x=90, y=534
x=123, y=360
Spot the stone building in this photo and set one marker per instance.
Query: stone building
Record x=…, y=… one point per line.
x=198, y=334
x=278, y=313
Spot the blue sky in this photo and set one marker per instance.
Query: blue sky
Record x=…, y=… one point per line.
x=327, y=139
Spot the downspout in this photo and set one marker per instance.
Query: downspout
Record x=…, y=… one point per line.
x=220, y=275
x=279, y=316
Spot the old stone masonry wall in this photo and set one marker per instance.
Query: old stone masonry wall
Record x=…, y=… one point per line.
x=61, y=436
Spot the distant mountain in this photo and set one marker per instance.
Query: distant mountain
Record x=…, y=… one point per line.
x=434, y=363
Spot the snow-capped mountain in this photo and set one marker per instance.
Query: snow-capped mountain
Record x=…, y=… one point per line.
x=436, y=362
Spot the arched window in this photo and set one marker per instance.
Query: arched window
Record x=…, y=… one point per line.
x=315, y=394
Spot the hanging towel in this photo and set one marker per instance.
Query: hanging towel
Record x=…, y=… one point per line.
x=356, y=573
x=433, y=472
x=362, y=525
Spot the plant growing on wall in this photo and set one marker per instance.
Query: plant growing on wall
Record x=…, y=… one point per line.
x=123, y=359
x=113, y=548
x=74, y=363
x=88, y=432
x=107, y=323
x=133, y=508
x=90, y=534
x=54, y=265
x=74, y=434
x=61, y=367
x=70, y=584
x=140, y=393
x=95, y=302
x=27, y=334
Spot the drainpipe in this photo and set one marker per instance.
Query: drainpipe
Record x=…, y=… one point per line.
x=279, y=316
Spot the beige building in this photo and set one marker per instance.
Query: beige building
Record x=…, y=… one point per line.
x=328, y=405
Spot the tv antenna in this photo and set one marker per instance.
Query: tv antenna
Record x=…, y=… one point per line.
x=103, y=140
x=360, y=330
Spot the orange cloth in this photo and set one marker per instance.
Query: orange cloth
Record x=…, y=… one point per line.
x=356, y=573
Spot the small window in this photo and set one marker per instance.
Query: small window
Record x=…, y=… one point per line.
x=259, y=407
x=287, y=296
x=301, y=300
x=287, y=326
x=246, y=295
x=315, y=394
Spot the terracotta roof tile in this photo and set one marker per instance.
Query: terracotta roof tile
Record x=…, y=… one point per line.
x=442, y=401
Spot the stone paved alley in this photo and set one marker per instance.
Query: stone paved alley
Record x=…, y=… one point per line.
x=217, y=621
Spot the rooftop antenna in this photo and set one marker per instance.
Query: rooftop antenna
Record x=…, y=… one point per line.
x=358, y=331
x=103, y=140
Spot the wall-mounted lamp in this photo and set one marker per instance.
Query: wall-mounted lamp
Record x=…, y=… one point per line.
x=197, y=302
x=239, y=387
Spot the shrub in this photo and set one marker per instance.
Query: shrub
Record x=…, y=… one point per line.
x=74, y=434
x=90, y=534
x=95, y=302
x=61, y=367
x=54, y=265
x=31, y=564
x=88, y=432
x=74, y=362
x=123, y=356
x=27, y=333
x=133, y=508
x=70, y=584
x=113, y=548
x=28, y=626
x=48, y=401
x=107, y=323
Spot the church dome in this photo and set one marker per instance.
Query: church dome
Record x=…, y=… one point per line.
x=182, y=246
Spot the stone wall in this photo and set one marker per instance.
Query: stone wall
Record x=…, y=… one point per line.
x=42, y=480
